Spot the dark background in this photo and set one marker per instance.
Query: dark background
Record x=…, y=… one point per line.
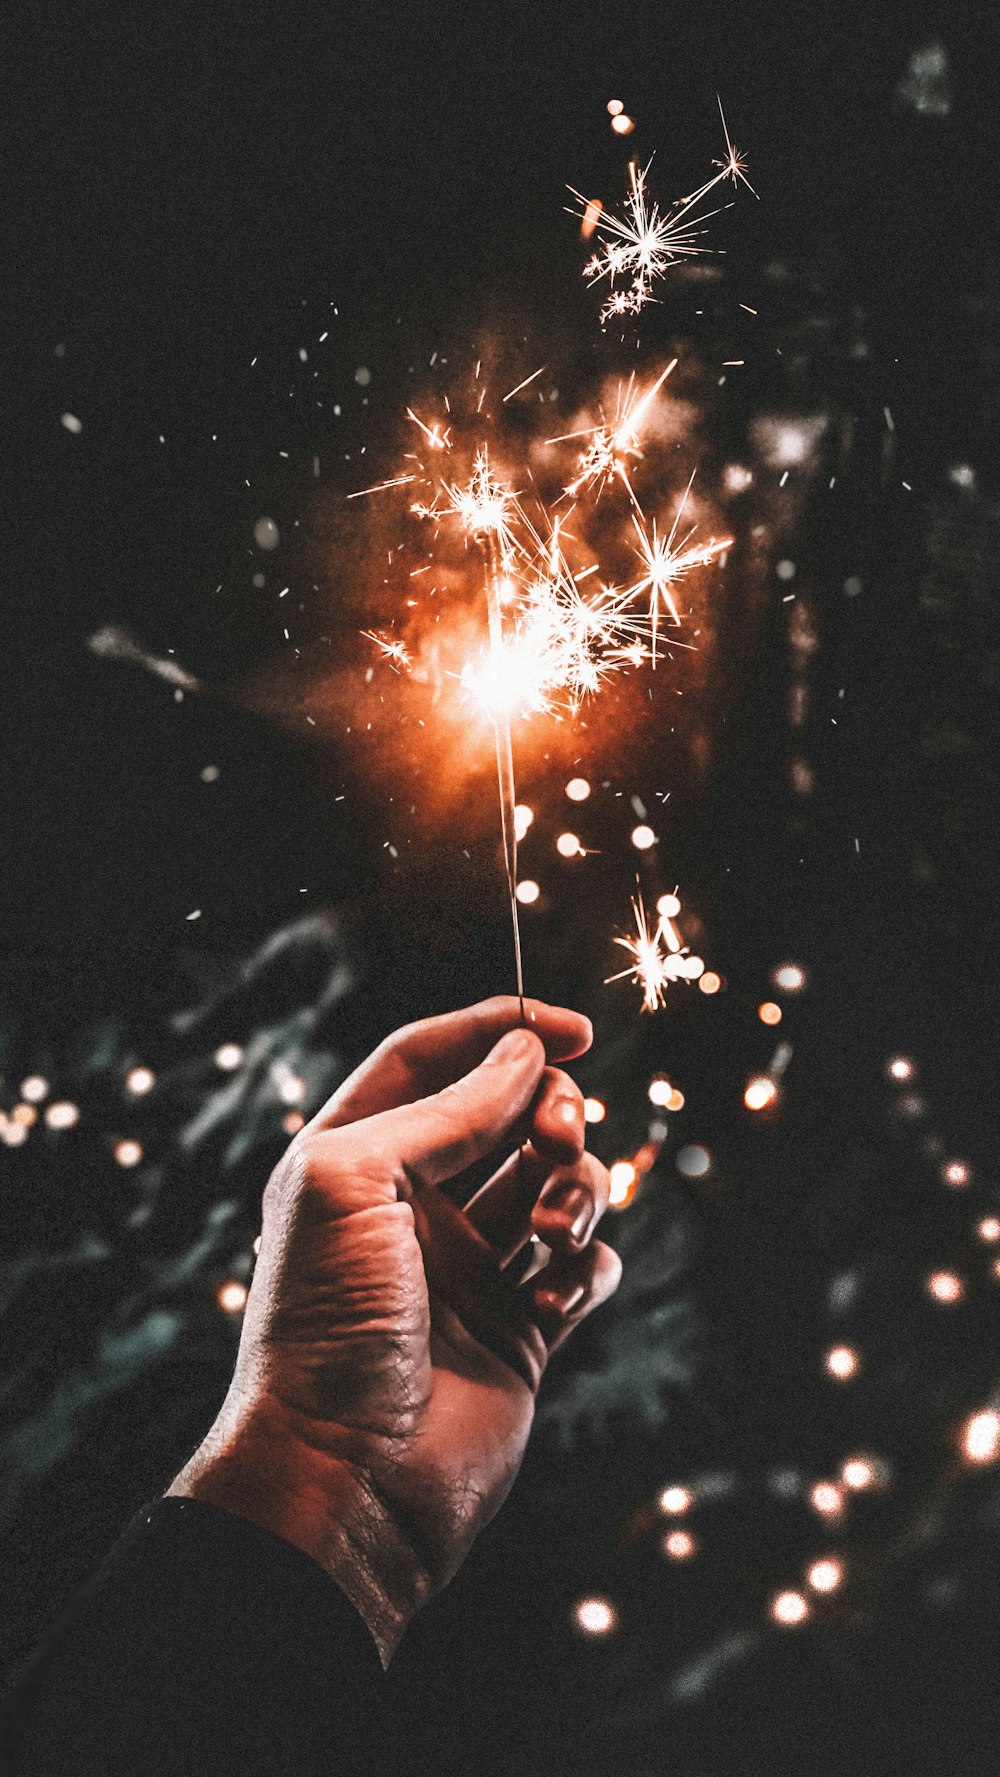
x=182, y=197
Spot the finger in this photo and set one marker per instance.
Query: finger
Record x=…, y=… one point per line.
x=558, y=1127
x=561, y=1205
x=427, y=1056
x=433, y=1138
x=569, y=1289
x=572, y=1203
x=555, y=1127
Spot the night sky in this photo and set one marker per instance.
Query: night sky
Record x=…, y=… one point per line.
x=189, y=204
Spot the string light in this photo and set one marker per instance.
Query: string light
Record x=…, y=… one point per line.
x=595, y=1616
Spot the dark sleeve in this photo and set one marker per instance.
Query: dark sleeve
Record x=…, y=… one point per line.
x=202, y=1644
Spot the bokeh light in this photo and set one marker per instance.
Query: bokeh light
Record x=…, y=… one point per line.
x=660, y=1091
x=946, y=1287
x=826, y=1575
x=568, y=846
x=140, y=1080
x=827, y=1498
x=760, y=1093
x=594, y=1110
x=669, y=906
x=769, y=1013
x=578, y=789
x=981, y=1437
x=527, y=892
x=62, y=1114
x=789, y=1609
x=842, y=1362
x=228, y=1056
x=128, y=1152
x=623, y=1178
x=693, y=1161
x=859, y=1473
x=956, y=1174
x=595, y=1616
x=790, y=977
x=34, y=1088
x=989, y=1228
x=523, y=817
x=710, y=982
x=231, y=1296
x=901, y=1068
x=643, y=837
x=679, y=1545
x=675, y=1500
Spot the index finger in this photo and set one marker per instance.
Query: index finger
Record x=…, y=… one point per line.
x=425, y=1057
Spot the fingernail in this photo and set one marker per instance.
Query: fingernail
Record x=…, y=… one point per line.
x=513, y=1047
x=573, y=1205
x=562, y=1301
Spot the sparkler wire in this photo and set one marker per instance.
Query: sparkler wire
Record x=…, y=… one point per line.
x=505, y=759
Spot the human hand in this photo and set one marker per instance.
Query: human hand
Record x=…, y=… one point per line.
x=389, y=1361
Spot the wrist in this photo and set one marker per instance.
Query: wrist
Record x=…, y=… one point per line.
x=256, y=1467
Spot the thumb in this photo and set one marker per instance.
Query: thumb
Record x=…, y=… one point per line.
x=439, y=1136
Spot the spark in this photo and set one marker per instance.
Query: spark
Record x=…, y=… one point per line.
x=433, y=435
x=646, y=967
x=379, y=487
x=666, y=562
x=397, y=653
x=523, y=385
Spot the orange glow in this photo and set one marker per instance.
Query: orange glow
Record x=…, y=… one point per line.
x=769, y=1013
x=827, y=1498
x=789, y=1609
x=760, y=1093
x=680, y=1545
x=710, y=982
x=578, y=789
x=594, y=1110
x=675, y=1500
x=568, y=846
x=842, y=1362
x=676, y=1100
x=946, y=1287
x=591, y=214
x=25, y=1114
x=528, y=892
x=826, y=1575
x=981, y=1438
x=231, y=1296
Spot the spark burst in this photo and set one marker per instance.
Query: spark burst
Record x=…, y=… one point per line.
x=658, y=956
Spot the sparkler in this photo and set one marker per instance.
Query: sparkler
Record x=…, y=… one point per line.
x=556, y=630
x=658, y=956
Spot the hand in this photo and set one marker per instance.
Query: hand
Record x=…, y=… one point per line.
x=389, y=1361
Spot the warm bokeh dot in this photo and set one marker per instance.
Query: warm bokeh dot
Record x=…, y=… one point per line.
x=623, y=1178
x=578, y=789
x=826, y=1575
x=901, y=1068
x=527, y=892
x=760, y=1093
x=790, y=977
x=568, y=846
x=956, y=1174
x=140, y=1080
x=232, y=1296
x=128, y=1153
x=858, y=1473
x=945, y=1287
x=292, y=1122
x=62, y=1114
x=595, y=1616
x=675, y=1500
x=228, y=1056
x=826, y=1497
x=989, y=1228
x=710, y=982
x=34, y=1088
x=769, y=1012
x=842, y=1362
x=789, y=1609
x=622, y=125
x=594, y=1110
x=679, y=1545
x=660, y=1091
x=523, y=817
x=669, y=906
x=643, y=837
x=981, y=1438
